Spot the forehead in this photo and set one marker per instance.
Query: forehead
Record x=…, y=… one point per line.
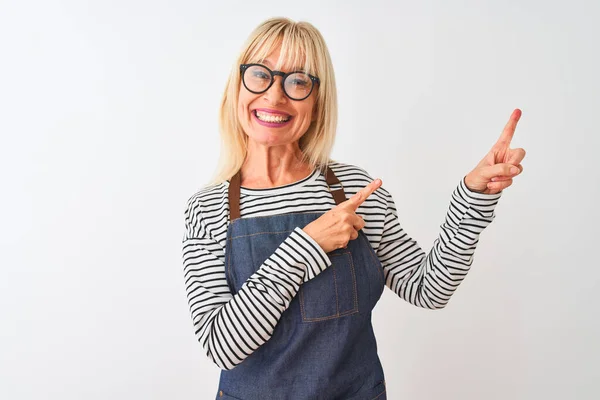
x=281, y=56
x=279, y=64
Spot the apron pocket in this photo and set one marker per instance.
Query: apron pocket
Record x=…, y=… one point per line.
x=332, y=293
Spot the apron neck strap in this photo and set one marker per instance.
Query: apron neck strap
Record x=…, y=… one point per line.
x=234, y=197
x=235, y=183
x=338, y=195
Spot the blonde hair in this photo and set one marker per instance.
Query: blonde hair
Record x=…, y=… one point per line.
x=301, y=44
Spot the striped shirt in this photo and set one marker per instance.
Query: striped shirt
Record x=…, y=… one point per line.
x=231, y=327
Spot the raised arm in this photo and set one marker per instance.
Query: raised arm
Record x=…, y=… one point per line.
x=428, y=280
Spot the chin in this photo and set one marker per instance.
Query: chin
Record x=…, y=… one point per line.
x=268, y=140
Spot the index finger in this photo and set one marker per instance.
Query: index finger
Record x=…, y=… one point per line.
x=355, y=201
x=509, y=129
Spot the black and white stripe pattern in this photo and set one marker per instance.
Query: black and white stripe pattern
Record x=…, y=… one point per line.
x=231, y=327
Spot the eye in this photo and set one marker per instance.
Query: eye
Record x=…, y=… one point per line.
x=299, y=82
x=259, y=74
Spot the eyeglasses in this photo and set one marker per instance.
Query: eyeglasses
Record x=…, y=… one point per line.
x=297, y=85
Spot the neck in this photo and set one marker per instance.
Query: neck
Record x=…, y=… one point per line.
x=271, y=166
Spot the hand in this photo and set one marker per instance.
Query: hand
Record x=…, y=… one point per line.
x=495, y=172
x=334, y=229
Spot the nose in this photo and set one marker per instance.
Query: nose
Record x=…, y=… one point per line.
x=275, y=95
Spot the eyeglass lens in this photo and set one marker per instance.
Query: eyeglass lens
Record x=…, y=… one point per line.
x=297, y=85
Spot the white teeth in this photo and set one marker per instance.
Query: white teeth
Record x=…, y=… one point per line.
x=271, y=118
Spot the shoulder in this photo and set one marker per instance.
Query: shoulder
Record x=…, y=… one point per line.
x=209, y=195
x=205, y=204
x=348, y=172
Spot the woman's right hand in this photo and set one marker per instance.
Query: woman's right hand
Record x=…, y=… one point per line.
x=334, y=229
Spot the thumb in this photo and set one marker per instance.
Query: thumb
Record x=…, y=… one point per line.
x=503, y=169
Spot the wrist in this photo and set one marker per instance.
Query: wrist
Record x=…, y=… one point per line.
x=472, y=187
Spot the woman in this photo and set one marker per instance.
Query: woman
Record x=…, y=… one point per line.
x=287, y=253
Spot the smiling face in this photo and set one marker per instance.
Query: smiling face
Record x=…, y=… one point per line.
x=271, y=118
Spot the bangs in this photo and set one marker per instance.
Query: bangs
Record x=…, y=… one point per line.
x=297, y=49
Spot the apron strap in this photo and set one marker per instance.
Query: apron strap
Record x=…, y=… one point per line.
x=234, y=197
x=338, y=195
x=235, y=183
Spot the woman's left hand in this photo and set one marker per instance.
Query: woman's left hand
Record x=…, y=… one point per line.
x=495, y=172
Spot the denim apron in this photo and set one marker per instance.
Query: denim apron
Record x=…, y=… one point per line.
x=323, y=347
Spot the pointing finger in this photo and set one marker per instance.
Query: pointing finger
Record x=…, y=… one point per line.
x=355, y=201
x=509, y=129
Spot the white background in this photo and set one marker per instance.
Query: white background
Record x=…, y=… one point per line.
x=108, y=117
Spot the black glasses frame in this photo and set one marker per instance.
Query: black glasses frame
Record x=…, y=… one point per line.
x=314, y=79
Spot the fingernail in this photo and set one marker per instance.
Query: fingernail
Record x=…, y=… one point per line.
x=514, y=170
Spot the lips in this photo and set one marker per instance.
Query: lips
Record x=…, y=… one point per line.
x=271, y=118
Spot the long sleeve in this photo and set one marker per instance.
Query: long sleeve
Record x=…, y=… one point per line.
x=429, y=280
x=229, y=327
